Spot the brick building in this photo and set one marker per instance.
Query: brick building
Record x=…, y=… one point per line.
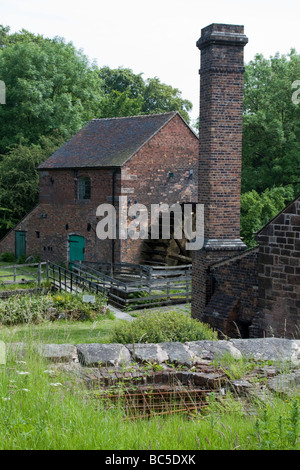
x=278, y=310
x=220, y=148
x=150, y=159
x=240, y=292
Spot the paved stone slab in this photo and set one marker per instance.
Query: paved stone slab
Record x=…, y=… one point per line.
x=57, y=352
x=178, y=353
x=272, y=349
x=147, y=352
x=95, y=354
x=210, y=350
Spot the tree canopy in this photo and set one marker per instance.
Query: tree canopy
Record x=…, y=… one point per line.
x=50, y=87
x=53, y=90
x=271, y=127
x=126, y=93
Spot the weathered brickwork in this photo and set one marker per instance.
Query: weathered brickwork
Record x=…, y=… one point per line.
x=143, y=178
x=163, y=171
x=220, y=146
x=60, y=214
x=233, y=302
x=279, y=274
x=254, y=293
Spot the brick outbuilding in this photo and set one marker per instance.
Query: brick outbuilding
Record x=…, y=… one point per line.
x=278, y=311
x=249, y=293
x=150, y=159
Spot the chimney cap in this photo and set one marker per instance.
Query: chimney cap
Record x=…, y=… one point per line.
x=226, y=34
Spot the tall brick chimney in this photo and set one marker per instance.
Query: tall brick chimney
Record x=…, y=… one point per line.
x=220, y=152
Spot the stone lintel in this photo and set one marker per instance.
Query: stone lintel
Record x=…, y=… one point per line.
x=224, y=244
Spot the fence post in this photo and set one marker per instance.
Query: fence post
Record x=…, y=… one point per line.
x=187, y=285
x=15, y=273
x=168, y=291
x=59, y=277
x=40, y=274
x=65, y=279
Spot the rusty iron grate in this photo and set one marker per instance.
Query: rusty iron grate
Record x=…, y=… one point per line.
x=151, y=401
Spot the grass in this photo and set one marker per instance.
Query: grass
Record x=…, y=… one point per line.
x=23, y=273
x=43, y=408
x=62, y=331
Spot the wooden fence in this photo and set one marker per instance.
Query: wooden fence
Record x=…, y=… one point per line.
x=127, y=286
x=137, y=286
x=19, y=273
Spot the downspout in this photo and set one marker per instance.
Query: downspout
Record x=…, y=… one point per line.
x=113, y=240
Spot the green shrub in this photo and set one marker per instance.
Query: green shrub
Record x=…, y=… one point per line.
x=160, y=327
x=7, y=257
x=74, y=307
x=23, y=309
x=22, y=259
x=36, y=308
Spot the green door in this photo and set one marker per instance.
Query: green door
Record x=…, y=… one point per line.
x=77, y=246
x=20, y=244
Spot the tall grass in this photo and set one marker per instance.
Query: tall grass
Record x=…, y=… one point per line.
x=42, y=407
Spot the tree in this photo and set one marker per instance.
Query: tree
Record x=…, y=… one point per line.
x=160, y=98
x=127, y=94
x=271, y=127
x=19, y=179
x=258, y=209
x=52, y=90
x=50, y=86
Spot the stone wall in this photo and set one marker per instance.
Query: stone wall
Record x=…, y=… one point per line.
x=233, y=295
x=279, y=274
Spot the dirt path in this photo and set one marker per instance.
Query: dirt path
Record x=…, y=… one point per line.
x=129, y=316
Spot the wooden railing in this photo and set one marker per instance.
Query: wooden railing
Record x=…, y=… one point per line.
x=126, y=286
x=19, y=273
x=137, y=286
x=73, y=281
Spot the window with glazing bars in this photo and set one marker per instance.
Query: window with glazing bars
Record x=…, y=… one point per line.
x=84, y=188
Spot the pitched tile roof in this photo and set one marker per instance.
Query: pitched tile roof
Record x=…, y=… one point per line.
x=107, y=142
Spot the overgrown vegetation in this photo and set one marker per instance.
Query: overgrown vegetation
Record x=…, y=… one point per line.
x=162, y=326
x=72, y=416
x=69, y=416
x=27, y=308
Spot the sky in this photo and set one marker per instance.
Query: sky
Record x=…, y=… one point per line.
x=157, y=37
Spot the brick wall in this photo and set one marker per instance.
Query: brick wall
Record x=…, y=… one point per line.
x=60, y=214
x=144, y=178
x=220, y=148
x=279, y=274
x=232, y=301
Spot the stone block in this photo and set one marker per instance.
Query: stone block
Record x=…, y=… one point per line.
x=269, y=349
x=211, y=349
x=57, y=352
x=177, y=353
x=147, y=352
x=96, y=354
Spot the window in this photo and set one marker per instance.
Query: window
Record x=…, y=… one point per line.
x=84, y=188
